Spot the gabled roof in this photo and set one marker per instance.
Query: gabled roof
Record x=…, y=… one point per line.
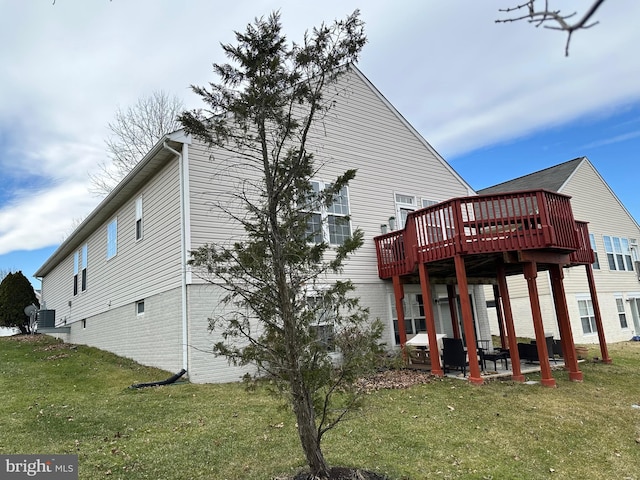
x=552, y=178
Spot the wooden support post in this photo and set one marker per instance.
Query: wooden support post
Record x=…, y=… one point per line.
x=467, y=318
x=500, y=316
x=453, y=310
x=604, y=351
x=564, y=323
x=531, y=273
x=511, y=331
x=398, y=293
x=427, y=302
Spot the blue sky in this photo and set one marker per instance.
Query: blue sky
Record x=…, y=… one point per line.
x=495, y=100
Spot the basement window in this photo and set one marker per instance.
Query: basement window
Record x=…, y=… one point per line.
x=140, y=307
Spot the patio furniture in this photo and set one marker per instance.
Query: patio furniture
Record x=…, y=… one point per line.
x=454, y=355
x=495, y=356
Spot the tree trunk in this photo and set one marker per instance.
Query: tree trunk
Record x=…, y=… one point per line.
x=308, y=431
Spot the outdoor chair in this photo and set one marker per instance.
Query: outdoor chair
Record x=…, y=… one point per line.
x=454, y=355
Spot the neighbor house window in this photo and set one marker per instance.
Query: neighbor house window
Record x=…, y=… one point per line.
x=622, y=314
x=140, y=307
x=139, y=218
x=329, y=224
x=112, y=238
x=83, y=254
x=596, y=261
x=618, y=253
x=76, y=263
x=587, y=318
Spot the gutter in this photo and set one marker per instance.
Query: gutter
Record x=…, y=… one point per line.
x=184, y=210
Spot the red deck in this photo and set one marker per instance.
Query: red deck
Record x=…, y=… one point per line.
x=484, y=224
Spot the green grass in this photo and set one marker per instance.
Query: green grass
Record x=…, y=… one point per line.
x=61, y=400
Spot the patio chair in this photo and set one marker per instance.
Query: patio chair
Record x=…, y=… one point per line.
x=454, y=355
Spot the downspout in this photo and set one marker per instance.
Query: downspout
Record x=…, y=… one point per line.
x=184, y=208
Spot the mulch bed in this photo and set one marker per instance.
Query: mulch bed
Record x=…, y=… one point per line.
x=343, y=473
x=394, y=380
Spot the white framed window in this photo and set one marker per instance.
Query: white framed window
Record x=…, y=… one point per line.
x=414, y=319
x=138, y=218
x=76, y=269
x=329, y=224
x=405, y=204
x=83, y=276
x=596, y=261
x=112, y=238
x=587, y=317
x=427, y=203
x=140, y=307
x=622, y=314
x=323, y=325
x=618, y=253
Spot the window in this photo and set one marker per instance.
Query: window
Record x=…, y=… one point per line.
x=618, y=253
x=140, y=307
x=427, y=203
x=76, y=263
x=405, y=204
x=414, y=319
x=587, y=318
x=83, y=254
x=139, y=218
x=84, y=323
x=592, y=241
x=323, y=326
x=112, y=238
x=622, y=314
x=329, y=224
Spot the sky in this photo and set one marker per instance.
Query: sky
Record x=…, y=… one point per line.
x=496, y=100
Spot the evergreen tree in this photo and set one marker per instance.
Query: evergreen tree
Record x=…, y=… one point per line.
x=259, y=116
x=16, y=293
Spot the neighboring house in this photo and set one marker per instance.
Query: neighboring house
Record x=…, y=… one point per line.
x=614, y=236
x=121, y=281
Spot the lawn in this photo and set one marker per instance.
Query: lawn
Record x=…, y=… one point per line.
x=60, y=399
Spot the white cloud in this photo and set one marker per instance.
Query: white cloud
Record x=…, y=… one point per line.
x=463, y=81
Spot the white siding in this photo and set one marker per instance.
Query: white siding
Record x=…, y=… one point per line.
x=140, y=269
x=154, y=338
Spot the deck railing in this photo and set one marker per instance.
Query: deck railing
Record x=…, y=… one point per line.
x=480, y=224
x=584, y=254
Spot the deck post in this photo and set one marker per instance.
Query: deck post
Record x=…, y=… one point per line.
x=398, y=293
x=499, y=315
x=604, y=351
x=564, y=323
x=531, y=273
x=516, y=375
x=453, y=310
x=467, y=318
x=427, y=302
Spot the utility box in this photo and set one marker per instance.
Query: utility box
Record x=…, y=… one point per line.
x=46, y=319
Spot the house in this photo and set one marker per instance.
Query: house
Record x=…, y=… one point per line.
x=614, y=236
x=121, y=281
